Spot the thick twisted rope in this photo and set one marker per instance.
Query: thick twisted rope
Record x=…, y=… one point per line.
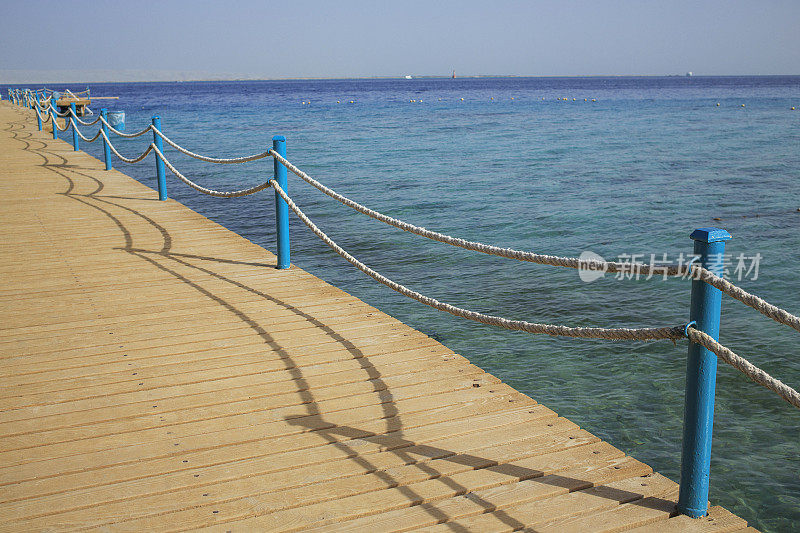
x=64, y=114
x=93, y=139
x=123, y=134
x=92, y=123
x=205, y=190
x=123, y=158
x=694, y=271
x=510, y=253
x=183, y=150
x=517, y=325
x=66, y=124
x=744, y=366
x=46, y=116
x=765, y=308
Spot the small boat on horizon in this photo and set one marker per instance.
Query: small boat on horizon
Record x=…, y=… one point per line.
x=408, y=77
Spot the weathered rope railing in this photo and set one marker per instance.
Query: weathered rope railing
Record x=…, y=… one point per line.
x=122, y=157
x=224, y=161
x=89, y=140
x=205, y=190
x=675, y=332
x=693, y=271
x=707, y=285
x=39, y=112
x=66, y=124
x=92, y=123
x=122, y=133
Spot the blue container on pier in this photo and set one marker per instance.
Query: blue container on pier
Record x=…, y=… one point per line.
x=116, y=119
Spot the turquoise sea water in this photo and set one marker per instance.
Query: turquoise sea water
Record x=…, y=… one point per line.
x=633, y=172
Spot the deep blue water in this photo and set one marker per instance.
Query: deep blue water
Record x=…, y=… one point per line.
x=631, y=166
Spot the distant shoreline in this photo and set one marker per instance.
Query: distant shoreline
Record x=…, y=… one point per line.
x=401, y=78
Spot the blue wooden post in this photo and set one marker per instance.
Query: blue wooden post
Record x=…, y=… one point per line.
x=53, y=118
x=75, y=144
x=162, y=178
x=701, y=377
x=106, y=149
x=281, y=207
x=38, y=117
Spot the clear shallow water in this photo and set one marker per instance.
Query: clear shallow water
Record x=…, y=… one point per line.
x=634, y=172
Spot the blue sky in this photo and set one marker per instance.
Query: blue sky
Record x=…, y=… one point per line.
x=180, y=39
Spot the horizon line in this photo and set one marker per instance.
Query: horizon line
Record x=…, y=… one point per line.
x=402, y=77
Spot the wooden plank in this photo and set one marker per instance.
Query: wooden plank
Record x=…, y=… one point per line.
x=403, y=452
x=297, y=508
x=415, y=440
x=718, y=520
x=503, y=513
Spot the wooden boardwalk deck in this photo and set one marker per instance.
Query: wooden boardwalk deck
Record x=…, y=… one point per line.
x=159, y=374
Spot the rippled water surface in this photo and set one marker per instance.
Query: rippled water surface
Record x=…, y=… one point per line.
x=630, y=166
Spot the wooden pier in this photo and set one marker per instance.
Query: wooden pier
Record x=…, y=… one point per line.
x=159, y=374
x=81, y=104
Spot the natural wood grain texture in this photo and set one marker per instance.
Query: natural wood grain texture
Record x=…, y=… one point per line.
x=160, y=374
